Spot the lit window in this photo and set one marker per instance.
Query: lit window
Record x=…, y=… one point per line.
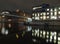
x=58, y=12
x=48, y=9
x=55, y=13
x=51, y=10
x=34, y=40
x=51, y=13
x=47, y=17
x=58, y=38
x=55, y=9
x=47, y=36
x=47, y=40
x=33, y=32
x=41, y=14
x=53, y=17
x=47, y=13
x=37, y=33
x=41, y=17
x=44, y=17
x=32, y=17
x=33, y=14
x=38, y=14
x=50, y=40
x=55, y=37
x=59, y=8
x=36, y=18
x=44, y=13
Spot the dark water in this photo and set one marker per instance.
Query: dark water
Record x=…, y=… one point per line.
x=32, y=35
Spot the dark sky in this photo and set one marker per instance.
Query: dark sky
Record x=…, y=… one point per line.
x=25, y=4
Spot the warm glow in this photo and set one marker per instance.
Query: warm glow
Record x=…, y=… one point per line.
x=51, y=10
x=44, y=13
x=36, y=18
x=47, y=13
x=58, y=12
x=55, y=9
x=44, y=17
x=48, y=9
x=47, y=17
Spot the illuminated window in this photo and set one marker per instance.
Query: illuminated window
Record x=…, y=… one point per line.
x=32, y=17
x=47, y=17
x=38, y=14
x=44, y=13
x=44, y=34
x=41, y=14
x=50, y=40
x=55, y=13
x=33, y=32
x=48, y=9
x=36, y=18
x=47, y=36
x=47, y=40
x=44, y=17
x=53, y=17
x=41, y=17
x=37, y=33
x=51, y=10
x=59, y=8
x=58, y=12
x=33, y=14
x=55, y=9
x=47, y=13
x=51, y=13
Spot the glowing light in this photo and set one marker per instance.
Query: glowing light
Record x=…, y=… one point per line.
x=3, y=16
x=9, y=25
x=6, y=32
x=29, y=28
x=51, y=13
x=58, y=12
x=41, y=17
x=32, y=17
x=50, y=40
x=44, y=13
x=55, y=9
x=47, y=40
x=58, y=38
x=37, y=33
x=48, y=9
x=51, y=9
x=3, y=30
x=36, y=18
x=55, y=13
x=47, y=13
x=47, y=36
x=44, y=17
x=41, y=14
x=53, y=17
x=38, y=14
x=47, y=17
x=34, y=40
x=33, y=14
x=59, y=8
x=17, y=36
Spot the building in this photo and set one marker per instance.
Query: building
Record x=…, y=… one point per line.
x=49, y=29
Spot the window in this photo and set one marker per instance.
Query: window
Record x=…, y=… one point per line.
x=55, y=9
x=44, y=17
x=58, y=12
x=48, y=9
x=36, y=18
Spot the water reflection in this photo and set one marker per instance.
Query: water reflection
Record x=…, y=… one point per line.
x=49, y=36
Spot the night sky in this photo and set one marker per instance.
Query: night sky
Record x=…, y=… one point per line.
x=25, y=5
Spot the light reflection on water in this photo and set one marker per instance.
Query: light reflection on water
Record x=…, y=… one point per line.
x=49, y=35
